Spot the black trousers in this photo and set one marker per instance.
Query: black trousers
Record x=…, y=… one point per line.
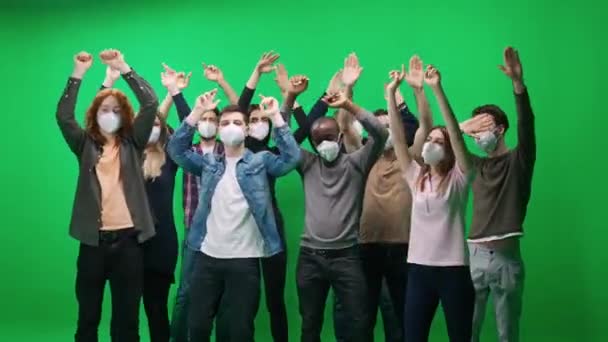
x=316, y=272
x=156, y=297
x=274, y=270
x=382, y=263
x=119, y=259
x=427, y=287
x=233, y=282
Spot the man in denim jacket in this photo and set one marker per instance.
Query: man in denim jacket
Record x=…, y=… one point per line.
x=234, y=223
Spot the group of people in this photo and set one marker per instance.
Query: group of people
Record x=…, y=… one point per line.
x=385, y=199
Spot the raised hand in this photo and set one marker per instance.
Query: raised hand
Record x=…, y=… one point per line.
x=297, y=84
x=396, y=79
x=477, y=124
x=512, y=65
x=415, y=75
x=213, y=73
x=432, y=76
x=112, y=75
x=206, y=102
x=398, y=96
x=115, y=60
x=336, y=100
x=183, y=80
x=169, y=78
x=352, y=70
x=265, y=64
x=335, y=84
x=82, y=63
x=269, y=106
x=281, y=77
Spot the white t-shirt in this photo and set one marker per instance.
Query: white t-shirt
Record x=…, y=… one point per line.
x=438, y=219
x=231, y=229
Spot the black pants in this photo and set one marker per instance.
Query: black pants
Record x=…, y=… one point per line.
x=382, y=264
x=316, y=272
x=274, y=270
x=156, y=296
x=233, y=282
x=119, y=259
x=427, y=287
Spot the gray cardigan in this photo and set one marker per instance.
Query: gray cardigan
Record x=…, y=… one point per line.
x=86, y=212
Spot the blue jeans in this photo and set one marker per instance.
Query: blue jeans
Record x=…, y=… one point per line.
x=179, y=321
x=427, y=286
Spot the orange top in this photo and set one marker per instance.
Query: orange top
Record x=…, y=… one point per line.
x=114, y=210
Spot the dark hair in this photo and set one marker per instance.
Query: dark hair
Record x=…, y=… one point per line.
x=380, y=112
x=500, y=118
x=253, y=107
x=234, y=109
x=447, y=164
x=126, y=115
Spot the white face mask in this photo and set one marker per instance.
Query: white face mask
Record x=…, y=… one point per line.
x=109, y=122
x=232, y=135
x=328, y=150
x=432, y=153
x=487, y=141
x=207, y=129
x=154, y=135
x=259, y=130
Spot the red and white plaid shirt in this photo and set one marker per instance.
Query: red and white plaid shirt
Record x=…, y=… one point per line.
x=191, y=186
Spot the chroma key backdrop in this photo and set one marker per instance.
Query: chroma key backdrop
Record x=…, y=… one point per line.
x=561, y=45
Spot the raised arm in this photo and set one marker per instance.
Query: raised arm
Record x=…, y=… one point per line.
x=112, y=76
x=526, y=138
x=289, y=152
x=352, y=137
x=463, y=157
x=396, y=124
x=176, y=82
x=73, y=134
x=366, y=156
x=179, y=144
x=148, y=102
x=415, y=79
x=215, y=74
x=264, y=66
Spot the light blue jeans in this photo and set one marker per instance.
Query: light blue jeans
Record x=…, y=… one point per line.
x=502, y=275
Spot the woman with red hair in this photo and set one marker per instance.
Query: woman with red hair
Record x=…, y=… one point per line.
x=111, y=216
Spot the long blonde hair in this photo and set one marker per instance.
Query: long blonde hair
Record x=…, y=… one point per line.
x=154, y=155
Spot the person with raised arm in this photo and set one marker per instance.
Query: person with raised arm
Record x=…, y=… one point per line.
x=501, y=193
x=333, y=185
x=176, y=82
x=111, y=216
x=438, y=270
x=234, y=224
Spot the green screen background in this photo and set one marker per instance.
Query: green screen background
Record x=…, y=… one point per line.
x=561, y=45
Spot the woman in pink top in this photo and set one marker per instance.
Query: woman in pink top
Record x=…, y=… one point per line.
x=438, y=263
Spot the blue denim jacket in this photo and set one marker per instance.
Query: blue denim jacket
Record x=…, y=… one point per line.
x=252, y=175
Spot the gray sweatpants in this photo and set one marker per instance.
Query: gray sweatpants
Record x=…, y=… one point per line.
x=501, y=275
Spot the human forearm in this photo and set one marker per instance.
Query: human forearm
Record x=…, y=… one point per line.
x=456, y=139
x=228, y=91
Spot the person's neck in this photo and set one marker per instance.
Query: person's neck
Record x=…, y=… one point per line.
x=110, y=138
x=500, y=149
x=207, y=142
x=234, y=151
x=434, y=171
